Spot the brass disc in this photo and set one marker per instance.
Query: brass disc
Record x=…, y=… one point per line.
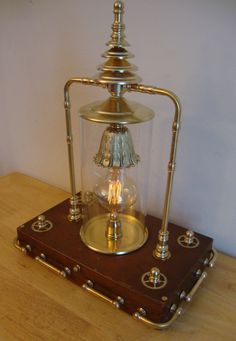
x=135, y=234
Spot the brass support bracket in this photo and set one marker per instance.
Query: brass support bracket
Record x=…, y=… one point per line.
x=162, y=251
x=74, y=212
x=88, y=286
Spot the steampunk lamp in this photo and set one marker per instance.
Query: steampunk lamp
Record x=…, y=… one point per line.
x=103, y=239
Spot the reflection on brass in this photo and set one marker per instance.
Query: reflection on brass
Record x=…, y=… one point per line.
x=190, y=295
x=162, y=250
x=164, y=298
x=213, y=257
x=116, y=110
x=141, y=315
x=182, y=295
x=41, y=224
x=173, y=308
x=42, y=260
x=88, y=286
x=154, y=279
x=114, y=229
x=188, y=240
x=93, y=234
x=74, y=211
x=116, y=148
x=19, y=247
x=76, y=268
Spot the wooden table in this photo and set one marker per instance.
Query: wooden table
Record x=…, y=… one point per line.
x=35, y=304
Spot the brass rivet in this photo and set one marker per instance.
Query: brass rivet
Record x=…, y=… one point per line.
x=164, y=298
x=76, y=268
x=173, y=308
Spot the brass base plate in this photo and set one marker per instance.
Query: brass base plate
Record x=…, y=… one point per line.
x=93, y=234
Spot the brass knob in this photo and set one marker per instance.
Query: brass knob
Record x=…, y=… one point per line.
x=154, y=275
x=189, y=237
x=42, y=224
x=41, y=221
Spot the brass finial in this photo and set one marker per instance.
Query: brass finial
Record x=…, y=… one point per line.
x=118, y=27
x=117, y=69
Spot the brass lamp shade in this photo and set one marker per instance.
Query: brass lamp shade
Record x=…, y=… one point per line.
x=116, y=149
x=116, y=110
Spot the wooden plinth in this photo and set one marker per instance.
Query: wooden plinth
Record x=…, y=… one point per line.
x=120, y=275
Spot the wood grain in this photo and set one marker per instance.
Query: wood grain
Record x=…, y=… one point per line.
x=35, y=304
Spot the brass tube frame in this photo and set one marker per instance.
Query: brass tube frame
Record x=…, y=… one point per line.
x=74, y=211
x=162, y=250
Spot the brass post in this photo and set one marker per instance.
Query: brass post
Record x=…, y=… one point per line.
x=74, y=211
x=162, y=250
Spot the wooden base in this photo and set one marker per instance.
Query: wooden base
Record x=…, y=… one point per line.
x=114, y=276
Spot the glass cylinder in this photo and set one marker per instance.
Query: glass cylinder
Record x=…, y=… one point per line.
x=114, y=182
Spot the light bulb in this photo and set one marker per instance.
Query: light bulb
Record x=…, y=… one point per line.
x=116, y=192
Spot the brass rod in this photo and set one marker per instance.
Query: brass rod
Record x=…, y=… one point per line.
x=140, y=315
x=88, y=286
x=192, y=292
x=50, y=266
x=74, y=212
x=162, y=251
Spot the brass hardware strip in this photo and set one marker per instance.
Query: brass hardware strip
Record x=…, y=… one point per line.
x=51, y=267
x=88, y=286
x=74, y=212
x=212, y=260
x=140, y=315
x=190, y=295
x=161, y=251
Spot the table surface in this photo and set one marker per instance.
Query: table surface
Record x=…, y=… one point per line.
x=36, y=304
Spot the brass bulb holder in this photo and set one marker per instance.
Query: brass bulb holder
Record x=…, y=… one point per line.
x=116, y=148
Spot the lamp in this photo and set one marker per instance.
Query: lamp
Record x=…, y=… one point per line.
x=103, y=239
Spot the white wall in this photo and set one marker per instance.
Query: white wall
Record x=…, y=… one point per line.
x=187, y=46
